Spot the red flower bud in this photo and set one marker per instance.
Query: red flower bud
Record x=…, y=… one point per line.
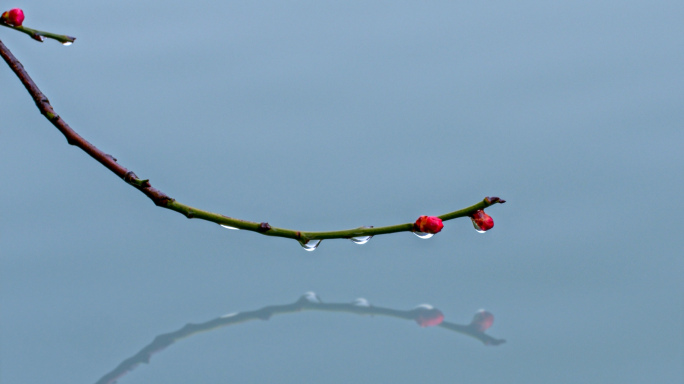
x=482, y=320
x=13, y=17
x=429, y=317
x=482, y=221
x=428, y=224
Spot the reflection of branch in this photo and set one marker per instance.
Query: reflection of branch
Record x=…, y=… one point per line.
x=309, y=239
x=424, y=315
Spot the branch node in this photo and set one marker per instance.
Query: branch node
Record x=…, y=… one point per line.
x=264, y=227
x=129, y=177
x=164, y=201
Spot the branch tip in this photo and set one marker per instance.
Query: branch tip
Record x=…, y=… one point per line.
x=494, y=200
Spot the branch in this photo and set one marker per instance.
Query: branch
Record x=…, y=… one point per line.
x=309, y=240
x=40, y=35
x=424, y=315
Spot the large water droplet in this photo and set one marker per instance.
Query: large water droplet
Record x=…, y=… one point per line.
x=229, y=227
x=361, y=239
x=67, y=43
x=423, y=235
x=477, y=227
x=310, y=245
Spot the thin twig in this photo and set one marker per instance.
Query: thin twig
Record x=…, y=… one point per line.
x=308, y=302
x=40, y=35
x=162, y=200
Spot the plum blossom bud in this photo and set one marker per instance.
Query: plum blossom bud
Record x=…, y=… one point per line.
x=482, y=221
x=482, y=320
x=427, y=316
x=13, y=17
x=428, y=224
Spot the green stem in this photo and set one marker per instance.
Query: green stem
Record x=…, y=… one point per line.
x=40, y=35
x=194, y=213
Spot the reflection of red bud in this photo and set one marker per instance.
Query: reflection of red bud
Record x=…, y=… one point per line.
x=14, y=17
x=482, y=320
x=429, y=317
x=428, y=224
x=482, y=221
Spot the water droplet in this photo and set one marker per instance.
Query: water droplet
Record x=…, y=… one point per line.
x=361, y=239
x=423, y=235
x=477, y=227
x=67, y=43
x=229, y=315
x=361, y=302
x=229, y=227
x=310, y=245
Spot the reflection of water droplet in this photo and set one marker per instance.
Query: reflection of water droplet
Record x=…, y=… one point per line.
x=423, y=235
x=229, y=227
x=312, y=297
x=477, y=227
x=310, y=245
x=361, y=302
x=361, y=239
x=229, y=315
x=424, y=306
x=67, y=43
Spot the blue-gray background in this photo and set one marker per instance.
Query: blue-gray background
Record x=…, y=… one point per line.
x=328, y=115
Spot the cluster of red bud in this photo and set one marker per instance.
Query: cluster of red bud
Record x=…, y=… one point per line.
x=14, y=17
x=482, y=221
x=433, y=224
x=428, y=224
